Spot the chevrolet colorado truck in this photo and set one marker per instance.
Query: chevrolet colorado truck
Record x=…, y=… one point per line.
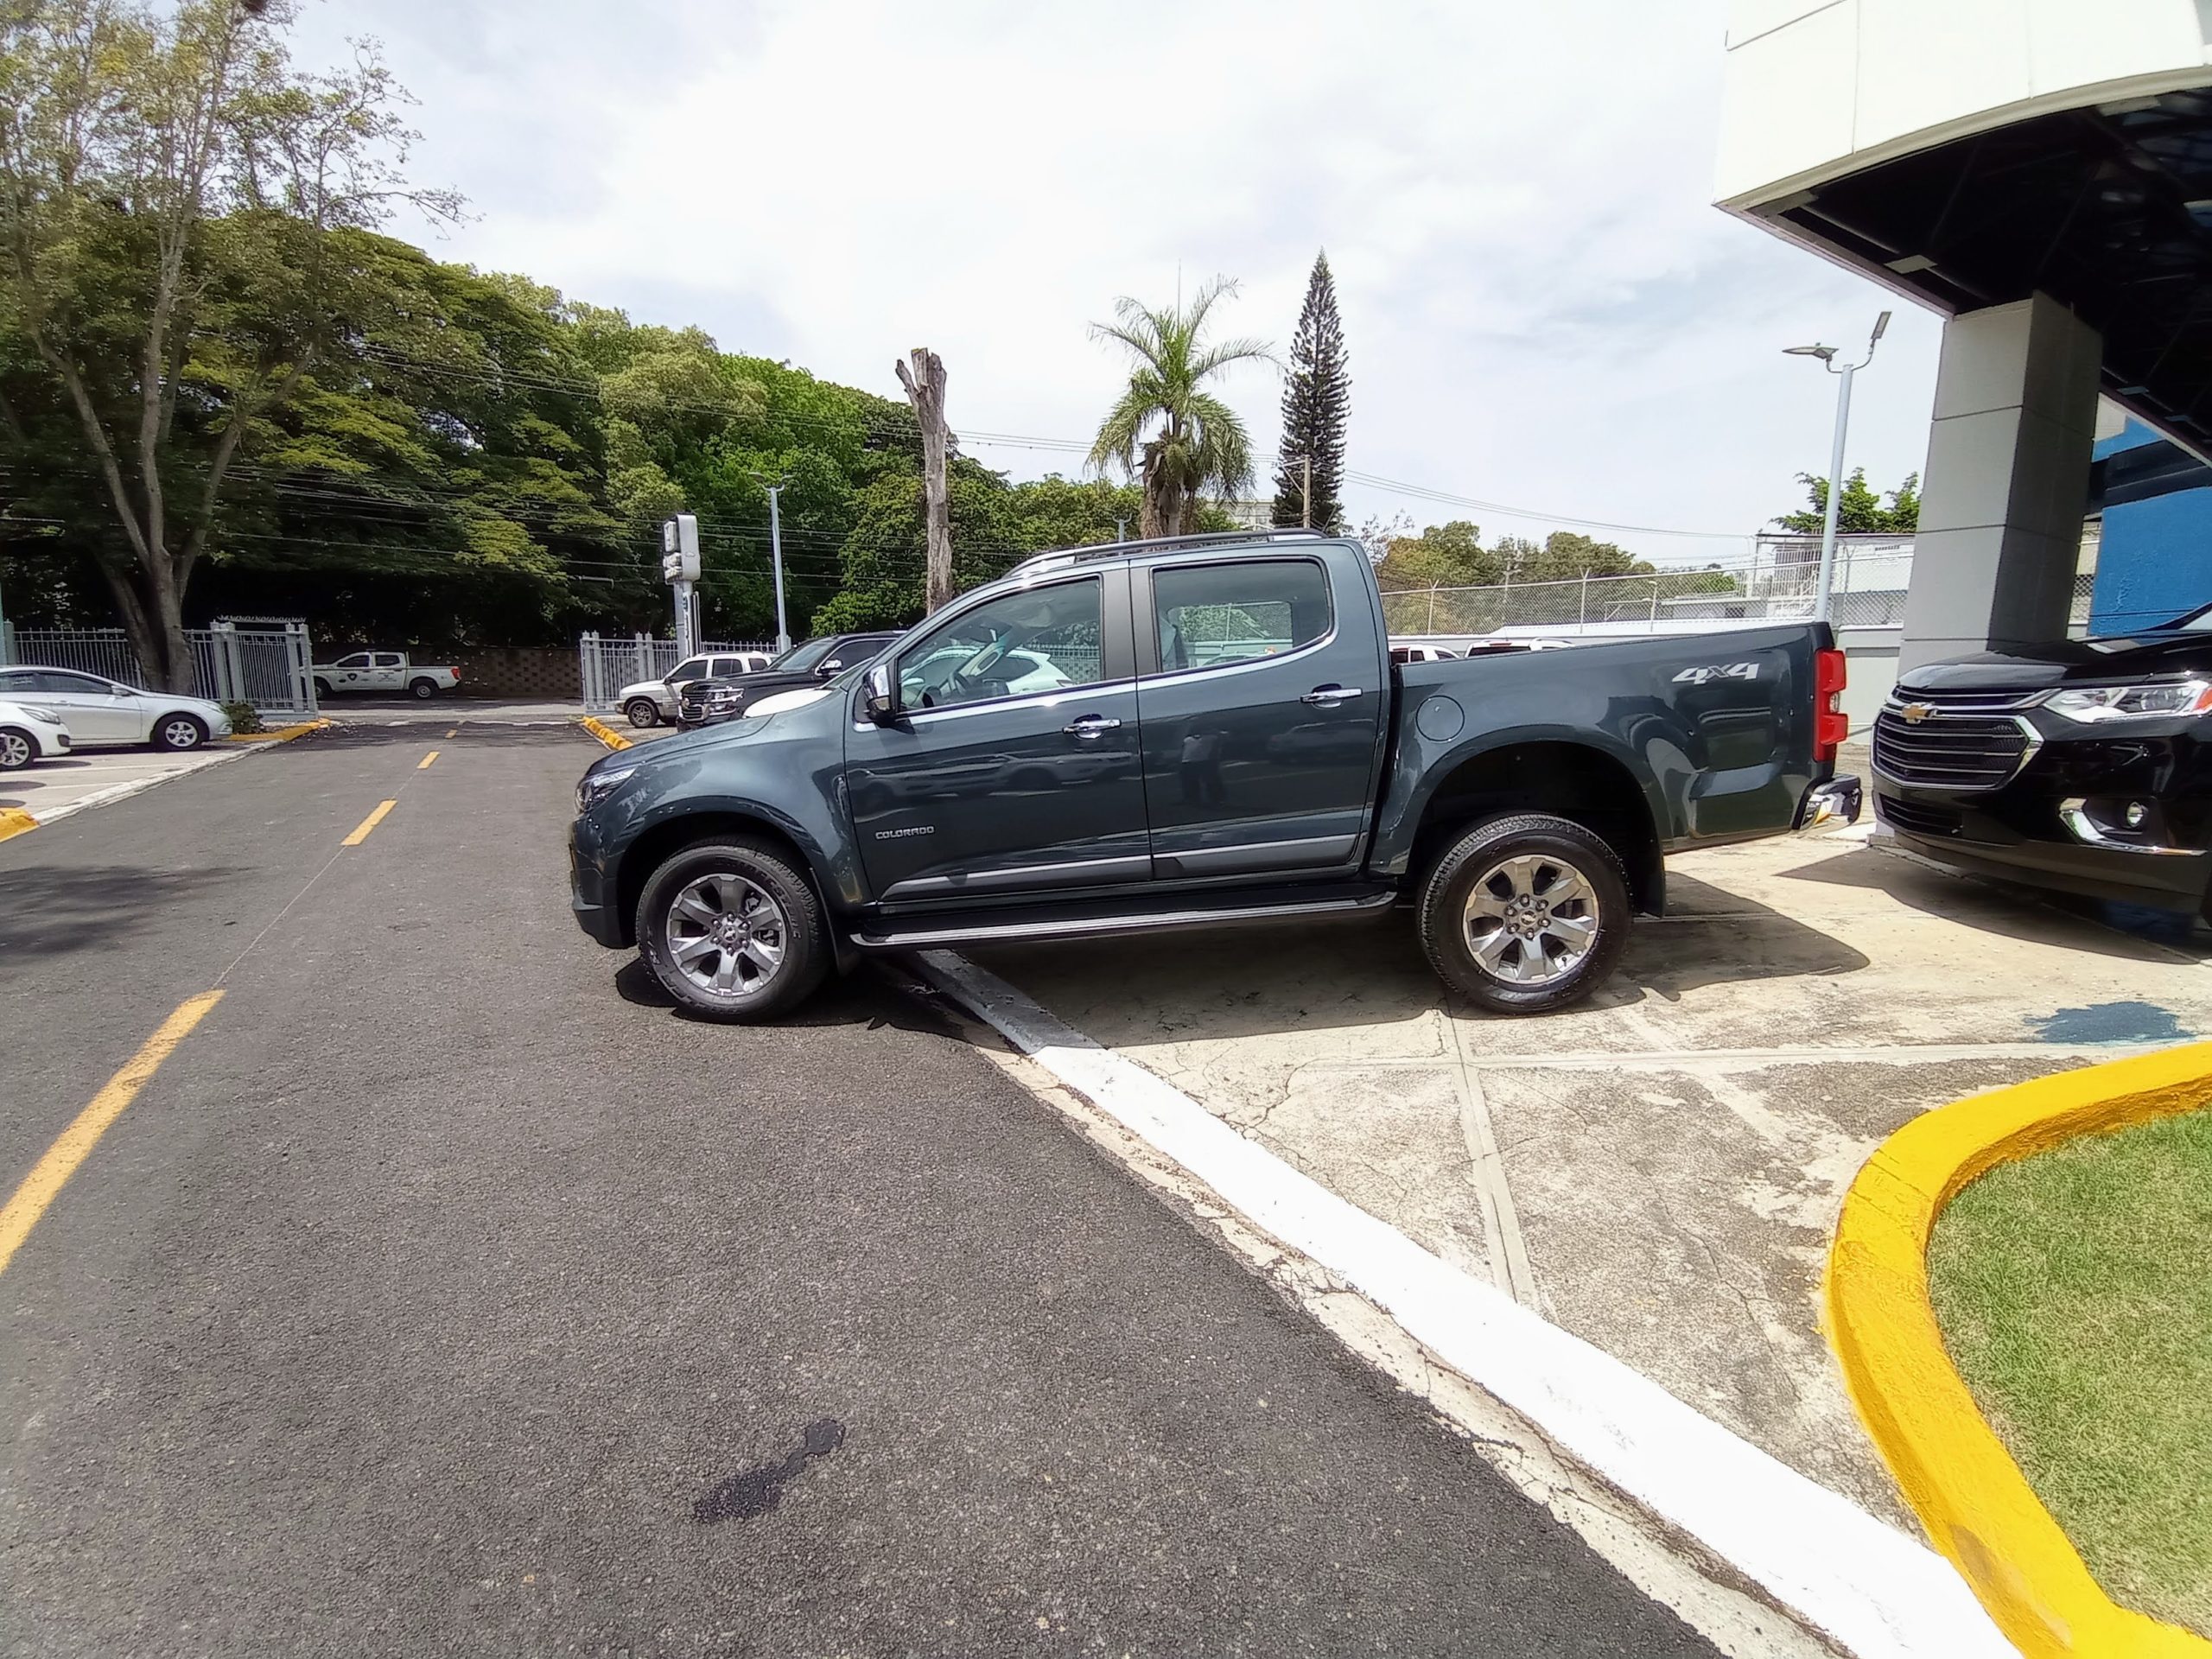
x=2082, y=765
x=1222, y=738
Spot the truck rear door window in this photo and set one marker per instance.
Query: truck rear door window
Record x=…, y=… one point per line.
x=1212, y=615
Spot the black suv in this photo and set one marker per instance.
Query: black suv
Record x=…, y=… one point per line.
x=2082, y=766
x=703, y=702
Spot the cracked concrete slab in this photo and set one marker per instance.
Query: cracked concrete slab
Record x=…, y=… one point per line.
x=1659, y=1170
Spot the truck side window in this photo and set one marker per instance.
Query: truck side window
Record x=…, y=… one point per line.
x=1046, y=640
x=1210, y=615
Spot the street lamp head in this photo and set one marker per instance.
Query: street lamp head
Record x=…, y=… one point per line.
x=1881, y=323
x=1824, y=352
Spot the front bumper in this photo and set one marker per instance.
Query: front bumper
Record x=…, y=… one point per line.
x=2060, y=822
x=592, y=889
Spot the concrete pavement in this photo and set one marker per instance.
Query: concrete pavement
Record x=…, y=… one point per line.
x=445, y=1291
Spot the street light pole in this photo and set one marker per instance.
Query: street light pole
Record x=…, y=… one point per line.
x=1823, y=602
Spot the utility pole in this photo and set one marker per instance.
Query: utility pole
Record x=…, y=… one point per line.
x=1120, y=528
x=926, y=390
x=1305, y=496
x=776, y=557
x=679, y=568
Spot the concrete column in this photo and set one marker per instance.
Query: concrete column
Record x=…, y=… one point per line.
x=2006, y=482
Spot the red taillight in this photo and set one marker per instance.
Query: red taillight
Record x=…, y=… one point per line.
x=1830, y=724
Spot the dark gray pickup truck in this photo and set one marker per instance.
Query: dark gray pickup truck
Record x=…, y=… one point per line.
x=1198, y=733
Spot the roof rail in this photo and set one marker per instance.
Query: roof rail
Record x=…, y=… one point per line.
x=1060, y=556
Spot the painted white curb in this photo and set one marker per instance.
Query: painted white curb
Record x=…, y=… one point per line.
x=125, y=791
x=1833, y=1564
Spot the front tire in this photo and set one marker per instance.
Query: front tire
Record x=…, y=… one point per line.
x=322, y=687
x=1525, y=914
x=732, y=931
x=644, y=712
x=177, y=732
x=422, y=691
x=17, y=749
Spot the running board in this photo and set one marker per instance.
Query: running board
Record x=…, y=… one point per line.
x=1106, y=926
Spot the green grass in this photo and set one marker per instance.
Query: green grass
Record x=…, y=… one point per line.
x=2075, y=1291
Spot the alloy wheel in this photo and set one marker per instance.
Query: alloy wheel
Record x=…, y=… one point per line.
x=1531, y=919
x=727, y=935
x=15, y=750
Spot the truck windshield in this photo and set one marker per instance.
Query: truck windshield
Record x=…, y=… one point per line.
x=801, y=657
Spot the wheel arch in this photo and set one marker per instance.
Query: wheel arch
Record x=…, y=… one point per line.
x=1563, y=778
x=654, y=845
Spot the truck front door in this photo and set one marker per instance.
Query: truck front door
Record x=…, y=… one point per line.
x=1013, y=766
x=1262, y=708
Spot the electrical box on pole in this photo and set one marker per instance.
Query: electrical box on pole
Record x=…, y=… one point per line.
x=679, y=568
x=679, y=542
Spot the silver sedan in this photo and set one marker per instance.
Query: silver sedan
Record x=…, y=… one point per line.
x=98, y=710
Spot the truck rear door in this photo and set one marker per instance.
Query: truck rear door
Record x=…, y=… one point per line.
x=1262, y=697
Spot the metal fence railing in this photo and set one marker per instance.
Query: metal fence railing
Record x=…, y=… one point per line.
x=265, y=661
x=605, y=665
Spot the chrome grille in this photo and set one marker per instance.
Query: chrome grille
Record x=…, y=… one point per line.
x=1984, y=701
x=1956, y=752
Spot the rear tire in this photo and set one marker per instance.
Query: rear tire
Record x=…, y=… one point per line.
x=18, y=748
x=644, y=712
x=732, y=931
x=422, y=691
x=178, y=732
x=1525, y=914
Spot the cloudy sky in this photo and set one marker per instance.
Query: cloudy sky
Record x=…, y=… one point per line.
x=1543, y=308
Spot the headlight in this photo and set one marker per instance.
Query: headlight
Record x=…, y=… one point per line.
x=596, y=787
x=2092, y=703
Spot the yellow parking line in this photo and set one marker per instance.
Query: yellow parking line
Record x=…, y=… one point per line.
x=362, y=834
x=424, y=764
x=52, y=1172
x=454, y=733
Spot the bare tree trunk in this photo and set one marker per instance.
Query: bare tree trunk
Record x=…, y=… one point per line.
x=925, y=390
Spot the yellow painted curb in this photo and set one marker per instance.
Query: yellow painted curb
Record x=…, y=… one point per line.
x=605, y=733
x=14, y=821
x=282, y=733
x=1978, y=1508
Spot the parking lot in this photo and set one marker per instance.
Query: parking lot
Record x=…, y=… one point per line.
x=443, y=1291
x=1661, y=1169
x=51, y=790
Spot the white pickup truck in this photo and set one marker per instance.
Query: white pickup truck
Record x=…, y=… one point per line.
x=383, y=671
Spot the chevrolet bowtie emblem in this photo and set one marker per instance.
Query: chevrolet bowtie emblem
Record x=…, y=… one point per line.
x=1915, y=712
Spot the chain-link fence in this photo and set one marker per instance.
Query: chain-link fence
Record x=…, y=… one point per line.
x=1868, y=591
x=605, y=665
x=268, y=662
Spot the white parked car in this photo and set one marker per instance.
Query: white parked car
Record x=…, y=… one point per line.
x=383, y=671
x=648, y=702
x=28, y=734
x=98, y=710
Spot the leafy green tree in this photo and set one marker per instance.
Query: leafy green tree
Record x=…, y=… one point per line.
x=1316, y=404
x=1166, y=430
x=168, y=183
x=1442, y=556
x=1859, y=511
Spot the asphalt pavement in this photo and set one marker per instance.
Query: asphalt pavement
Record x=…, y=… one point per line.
x=445, y=1291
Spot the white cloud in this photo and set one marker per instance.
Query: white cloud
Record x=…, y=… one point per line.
x=1541, y=306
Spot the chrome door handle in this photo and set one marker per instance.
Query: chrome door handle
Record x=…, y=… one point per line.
x=1328, y=697
x=1091, y=726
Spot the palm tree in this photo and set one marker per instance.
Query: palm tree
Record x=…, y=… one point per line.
x=1166, y=430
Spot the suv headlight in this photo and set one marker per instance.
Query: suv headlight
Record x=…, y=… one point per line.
x=2093, y=703
x=596, y=787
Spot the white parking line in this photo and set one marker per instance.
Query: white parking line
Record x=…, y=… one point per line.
x=1836, y=1567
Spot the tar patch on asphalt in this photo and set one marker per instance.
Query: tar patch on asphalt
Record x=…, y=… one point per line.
x=759, y=1489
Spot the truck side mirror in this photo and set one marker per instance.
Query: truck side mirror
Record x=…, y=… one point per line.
x=882, y=703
